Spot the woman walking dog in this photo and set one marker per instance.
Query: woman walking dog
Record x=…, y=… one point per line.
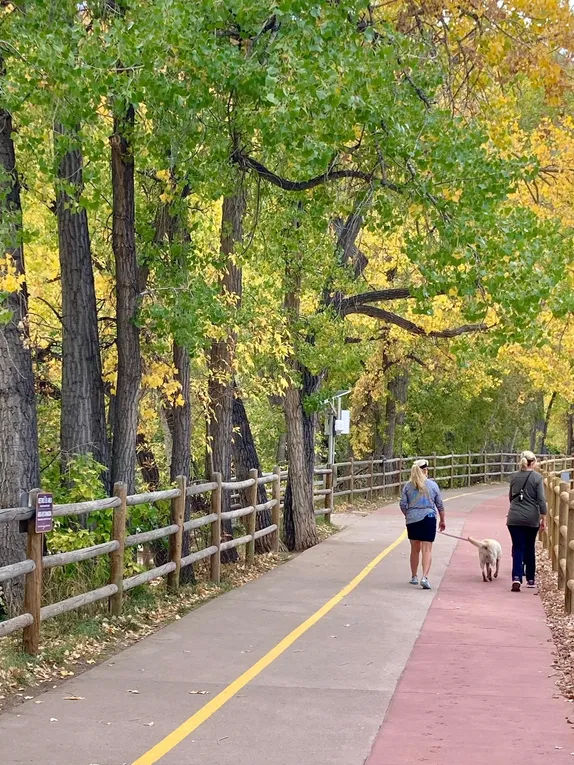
x=420, y=502
x=526, y=517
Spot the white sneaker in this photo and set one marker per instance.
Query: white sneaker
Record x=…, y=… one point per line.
x=425, y=584
x=414, y=580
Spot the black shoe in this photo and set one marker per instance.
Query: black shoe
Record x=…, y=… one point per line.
x=531, y=583
x=515, y=585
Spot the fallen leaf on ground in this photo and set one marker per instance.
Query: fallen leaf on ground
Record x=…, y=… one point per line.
x=199, y=693
x=74, y=698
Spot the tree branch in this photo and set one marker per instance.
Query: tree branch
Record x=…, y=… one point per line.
x=464, y=329
x=399, y=321
x=346, y=305
x=347, y=233
x=51, y=307
x=247, y=163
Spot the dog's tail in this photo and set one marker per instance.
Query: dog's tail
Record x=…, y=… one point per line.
x=475, y=542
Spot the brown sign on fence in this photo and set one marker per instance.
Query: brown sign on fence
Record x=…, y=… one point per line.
x=44, y=512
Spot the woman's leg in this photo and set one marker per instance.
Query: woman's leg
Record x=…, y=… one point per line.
x=427, y=557
x=415, y=557
x=530, y=535
x=518, y=538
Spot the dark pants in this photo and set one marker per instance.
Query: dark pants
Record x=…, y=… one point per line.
x=523, y=551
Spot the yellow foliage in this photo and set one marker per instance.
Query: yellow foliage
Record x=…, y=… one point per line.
x=10, y=280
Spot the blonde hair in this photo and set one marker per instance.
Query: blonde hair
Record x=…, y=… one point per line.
x=418, y=478
x=527, y=459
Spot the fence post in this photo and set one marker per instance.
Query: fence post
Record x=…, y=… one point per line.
x=335, y=481
x=117, y=557
x=469, y=469
x=216, y=529
x=549, y=500
x=371, y=480
x=329, y=500
x=252, y=518
x=485, y=468
x=555, y=529
x=384, y=477
x=276, y=512
x=452, y=471
x=549, y=512
x=563, y=499
x=176, y=540
x=433, y=463
x=352, y=480
x=400, y=475
x=501, y=467
x=568, y=595
x=33, y=582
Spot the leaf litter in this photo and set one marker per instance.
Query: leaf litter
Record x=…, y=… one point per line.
x=561, y=626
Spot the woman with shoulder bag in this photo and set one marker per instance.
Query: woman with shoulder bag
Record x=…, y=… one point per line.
x=526, y=517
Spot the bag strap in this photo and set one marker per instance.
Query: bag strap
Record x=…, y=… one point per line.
x=514, y=496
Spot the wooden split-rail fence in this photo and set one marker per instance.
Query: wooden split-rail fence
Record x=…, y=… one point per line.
x=558, y=539
x=372, y=479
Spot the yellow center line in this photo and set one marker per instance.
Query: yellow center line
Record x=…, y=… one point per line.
x=192, y=723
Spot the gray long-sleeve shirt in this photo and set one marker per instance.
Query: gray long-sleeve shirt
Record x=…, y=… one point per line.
x=526, y=512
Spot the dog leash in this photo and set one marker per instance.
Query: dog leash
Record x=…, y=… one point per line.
x=454, y=536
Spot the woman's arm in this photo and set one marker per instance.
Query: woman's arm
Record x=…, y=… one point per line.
x=404, y=501
x=440, y=507
x=442, y=521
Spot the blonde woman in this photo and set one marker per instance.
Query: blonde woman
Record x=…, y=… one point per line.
x=526, y=517
x=420, y=502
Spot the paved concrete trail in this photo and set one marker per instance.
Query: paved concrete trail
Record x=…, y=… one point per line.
x=386, y=673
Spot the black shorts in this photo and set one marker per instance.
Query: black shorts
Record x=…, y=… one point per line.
x=422, y=531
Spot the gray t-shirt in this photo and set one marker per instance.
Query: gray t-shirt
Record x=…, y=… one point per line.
x=526, y=512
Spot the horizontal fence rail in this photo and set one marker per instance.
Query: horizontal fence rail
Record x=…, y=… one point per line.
x=373, y=479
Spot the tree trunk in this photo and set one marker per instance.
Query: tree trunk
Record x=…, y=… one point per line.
x=150, y=476
x=538, y=422
x=546, y=423
x=378, y=443
x=397, y=388
x=127, y=289
x=19, y=458
x=171, y=223
x=570, y=430
x=300, y=527
x=220, y=384
x=245, y=458
x=281, y=454
x=83, y=416
x=181, y=440
x=299, y=511
x=180, y=417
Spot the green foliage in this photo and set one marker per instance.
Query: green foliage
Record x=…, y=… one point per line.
x=304, y=89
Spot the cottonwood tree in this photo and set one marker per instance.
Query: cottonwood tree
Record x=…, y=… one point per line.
x=19, y=459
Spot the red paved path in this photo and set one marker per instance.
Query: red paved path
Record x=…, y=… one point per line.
x=476, y=688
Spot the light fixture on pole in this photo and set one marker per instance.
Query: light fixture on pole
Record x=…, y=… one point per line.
x=337, y=421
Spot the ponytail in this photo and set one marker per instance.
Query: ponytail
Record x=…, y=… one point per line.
x=418, y=478
x=527, y=459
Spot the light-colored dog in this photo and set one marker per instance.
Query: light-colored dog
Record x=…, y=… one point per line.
x=489, y=555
